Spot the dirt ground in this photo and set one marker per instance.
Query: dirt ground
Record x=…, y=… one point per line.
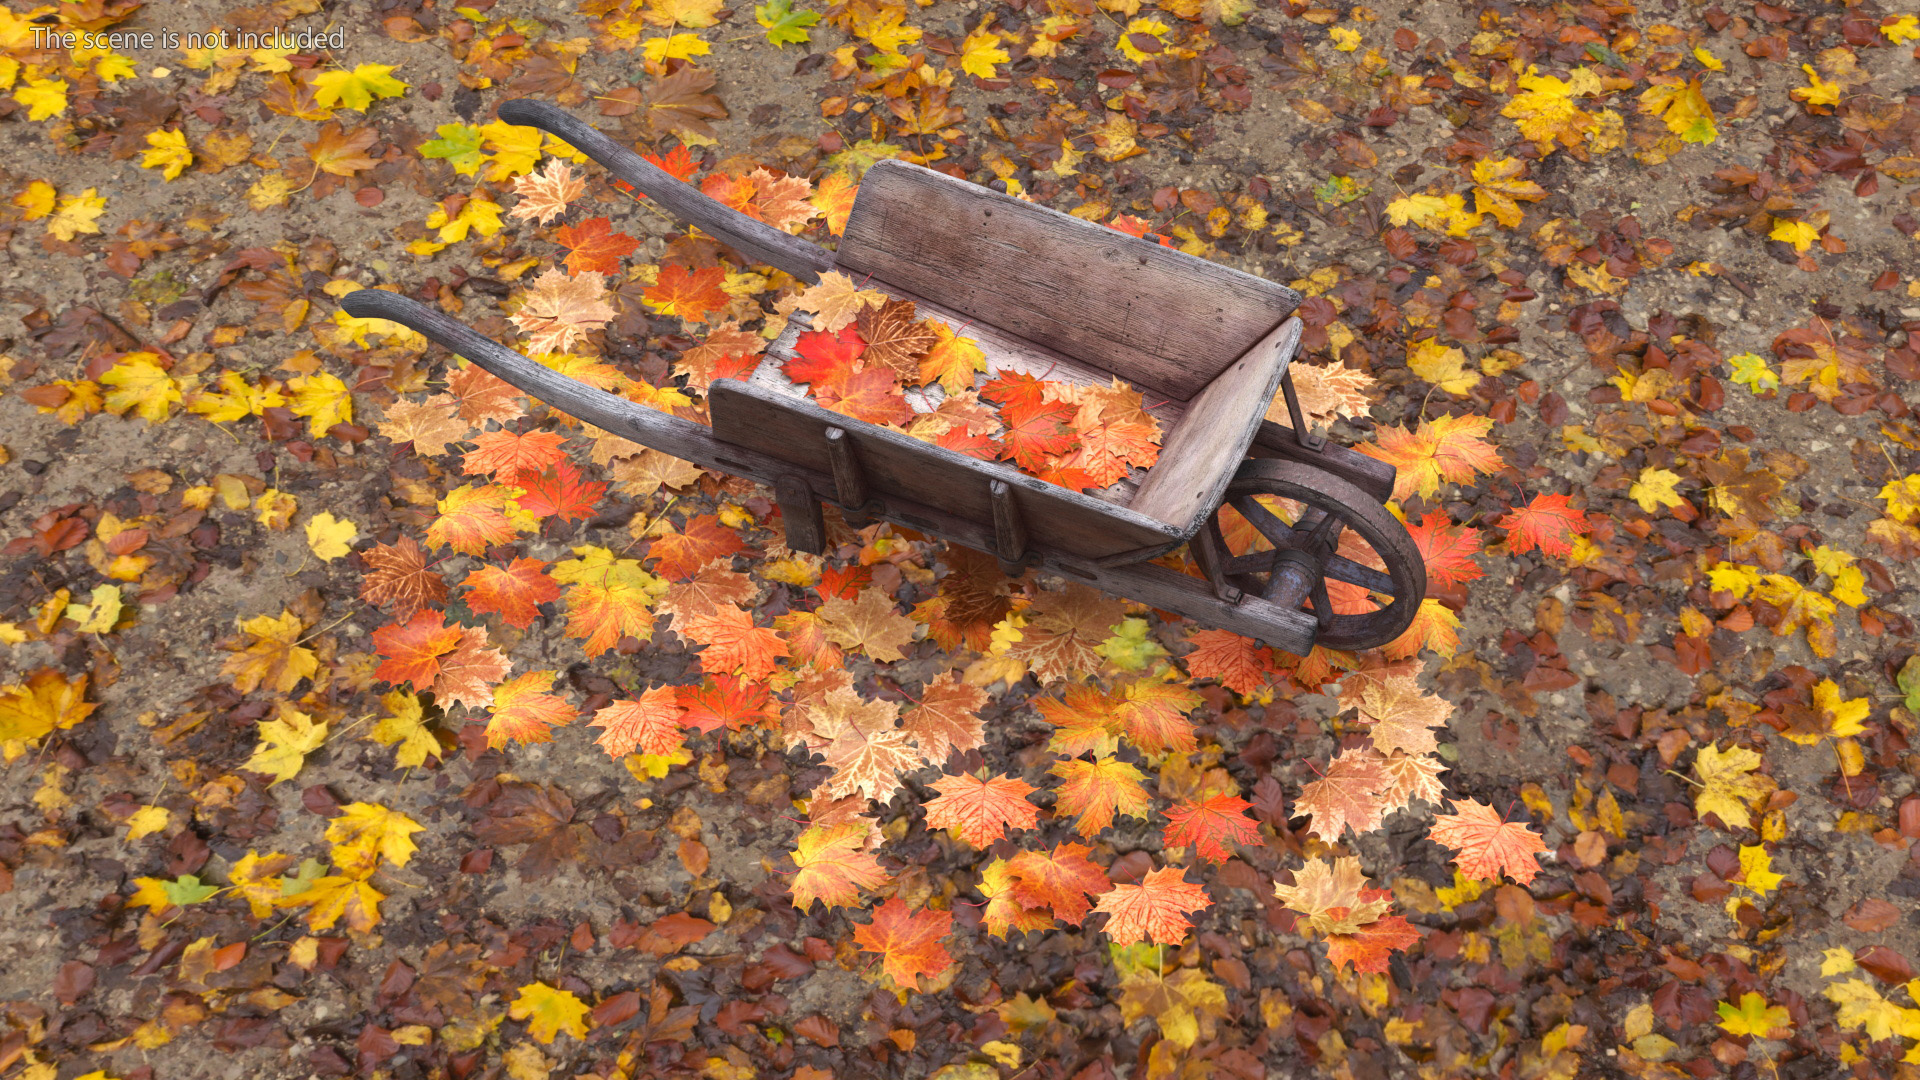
x=1549, y=980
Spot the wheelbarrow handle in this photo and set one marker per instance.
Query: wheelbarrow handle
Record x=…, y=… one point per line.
x=755, y=239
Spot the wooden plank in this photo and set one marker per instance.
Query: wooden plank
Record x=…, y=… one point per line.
x=895, y=464
x=848, y=483
x=1009, y=531
x=1199, y=457
x=756, y=240
x=1371, y=475
x=806, y=526
x=1158, y=318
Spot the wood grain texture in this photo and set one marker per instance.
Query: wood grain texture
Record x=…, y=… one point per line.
x=1371, y=475
x=756, y=240
x=1198, y=458
x=1158, y=318
x=894, y=464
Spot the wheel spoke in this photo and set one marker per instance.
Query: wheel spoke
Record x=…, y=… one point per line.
x=1266, y=521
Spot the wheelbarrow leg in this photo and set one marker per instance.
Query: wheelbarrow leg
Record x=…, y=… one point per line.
x=806, y=528
x=848, y=482
x=1302, y=430
x=1009, y=531
x=1209, y=549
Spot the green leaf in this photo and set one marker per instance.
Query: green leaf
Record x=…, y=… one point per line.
x=786, y=26
x=1909, y=683
x=1753, y=373
x=187, y=889
x=1130, y=649
x=300, y=881
x=459, y=145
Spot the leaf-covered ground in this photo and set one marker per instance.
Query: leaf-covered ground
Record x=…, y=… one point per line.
x=363, y=717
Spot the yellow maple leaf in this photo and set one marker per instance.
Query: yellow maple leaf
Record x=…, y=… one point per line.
x=236, y=399
x=692, y=14
x=1654, y=489
x=1423, y=210
x=1443, y=366
x=478, y=213
x=1728, y=783
x=142, y=385
x=1901, y=30
x=884, y=27
x=1497, y=184
x=36, y=201
x=335, y=897
x=365, y=833
x=148, y=820
x=275, y=508
x=1756, y=868
x=1818, y=91
x=549, y=1012
x=1753, y=1016
x=1902, y=497
x=515, y=149
x=1839, y=717
x=323, y=399
x=76, y=215
x=285, y=742
x=356, y=89
x=1798, y=233
x=44, y=98
x=981, y=52
x=99, y=614
x=674, y=47
x=405, y=726
x=256, y=878
x=167, y=151
x=1545, y=111
x=44, y=702
x=1683, y=106
x=329, y=537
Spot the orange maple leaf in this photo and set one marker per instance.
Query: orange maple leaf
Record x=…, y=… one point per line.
x=1060, y=880
x=1096, y=790
x=834, y=865
x=1451, y=449
x=513, y=592
x=1155, y=910
x=1349, y=796
x=1205, y=824
x=468, y=673
x=1434, y=627
x=1487, y=845
x=983, y=810
x=946, y=718
x=649, y=724
x=689, y=295
x=819, y=356
x=544, y=195
x=595, y=246
x=471, y=519
x=523, y=712
x=496, y=452
x=559, y=310
x=559, y=492
x=1447, y=550
x=412, y=651
x=734, y=645
x=871, y=394
x=399, y=573
x=1154, y=715
x=908, y=943
x=1085, y=721
x=1240, y=664
x=1548, y=522
x=1036, y=432
x=725, y=701
x=1368, y=948
x=681, y=553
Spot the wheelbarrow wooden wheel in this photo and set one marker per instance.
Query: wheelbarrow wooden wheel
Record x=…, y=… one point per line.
x=1304, y=554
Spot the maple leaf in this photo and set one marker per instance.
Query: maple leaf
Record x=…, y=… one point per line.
x=364, y=833
x=337, y=896
x=1547, y=522
x=785, y=26
x=980, y=52
x=1450, y=449
x=649, y=724
x=459, y=146
x=1061, y=880
x=356, y=89
x=870, y=625
x=1753, y=1016
x=559, y=310
x=859, y=740
x=44, y=98
x=559, y=492
x=594, y=246
x=411, y=652
x=1728, y=784
x=607, y=597
x=983, y=810
x=834, y=865
x=429, y=425
x=285, y=742
x=894, y=337
x=872, y=395
x=1065, y=630
x=1349, y=796
x=907, y=941
x=405, y=727
x=45, y=702
x=690, y=295
x=1205, y=824
x=1333, y=896
x=1487, y=845
x=1545, y=110
x=1401, y=715
x=1681, y=104
x=141, y=385
x=1368, y=948
x=734, y=644
x=76, y=214
x=1096, y=790
x=1240, y=664
x=952, y=361
x=1154, y=910
x=399, y=575
x=725, y=701
x=820, y=357
x=1085, y=721
x=726, y=350
x=339, y=152
x=1446, y=549
x=1497, y=183
x=484, y=396
x=1036, y=432
x=167, y=151
x=543, y=195
x=549, y=1012
x=509, y=452
x=946, y=718
x=834, y=302
x=683, y=552
x=1154, y=715
x=522, y=712
x=468, y=673
x=471, y=518
x=514, y=592
x=1004, y=912
x=274, y=658
x=678, y=104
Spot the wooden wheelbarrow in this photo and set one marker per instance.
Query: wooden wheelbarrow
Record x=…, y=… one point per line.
x=1040, y=291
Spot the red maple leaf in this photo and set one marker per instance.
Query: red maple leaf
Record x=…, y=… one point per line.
x=1368, y=949
x=1241, y=664
x=412, y=652
x=734, y=644
x=680, y=555
x=514, y=592
x=1350, y=796
x=908, y=943
x=843, y=582
x=1015, y=388
x=596, y=247
x=1036, y=431
x=961, y=439
x=690, y=295
x=1547, y=522
x=726, y=701
x=677, y=162
x=559, y=492
x=1204, y=825
x=1060, y=880
x=818, y=357
x=510, y=453
x=1447, y=549
x=872, y=395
